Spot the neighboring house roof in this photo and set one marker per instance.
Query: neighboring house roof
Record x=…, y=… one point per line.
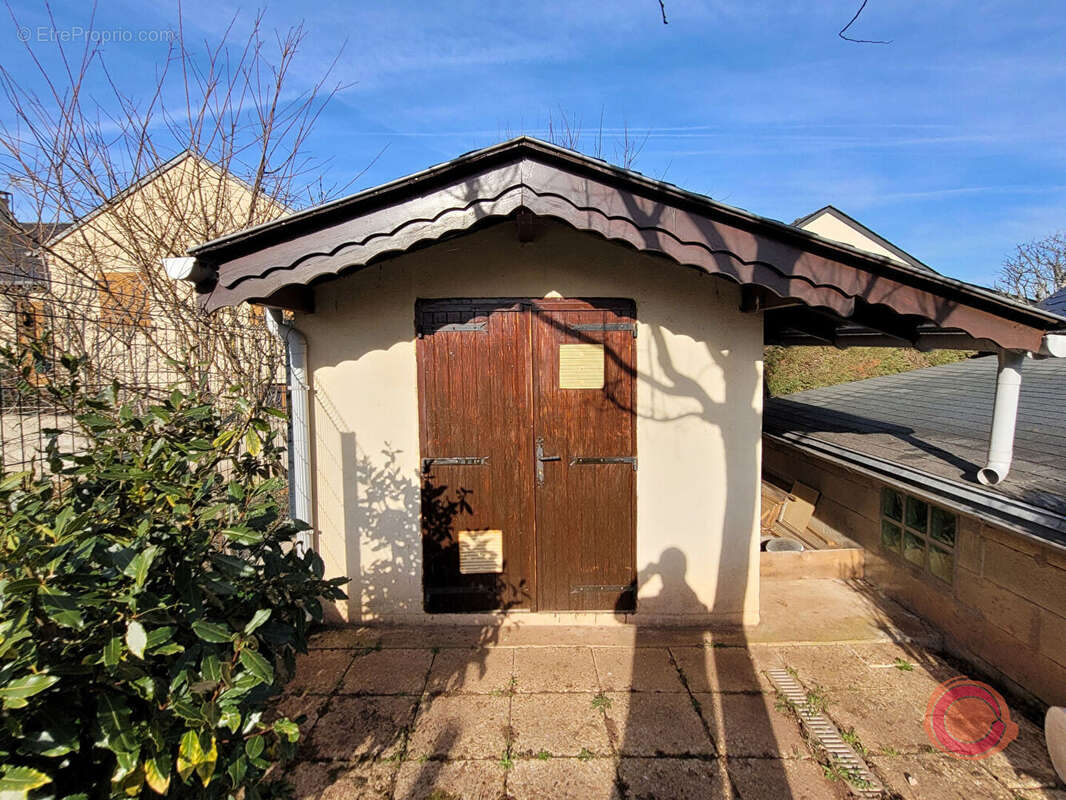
x=20, y=260
x=930, y=427
x=108, y=205
x=832, y=223
x=826, y=283
x=1056, y=303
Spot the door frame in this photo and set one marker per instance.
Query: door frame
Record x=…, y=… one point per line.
x=529, y=306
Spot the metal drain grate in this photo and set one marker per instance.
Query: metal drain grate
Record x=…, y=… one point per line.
x=822, y=730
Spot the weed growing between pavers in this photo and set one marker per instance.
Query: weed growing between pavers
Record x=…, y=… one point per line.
x=853, y=739
x=506, y=761
x=903, y=665
x=601, y=701
x=543, y=755
x=585, y=755
x=838, y=772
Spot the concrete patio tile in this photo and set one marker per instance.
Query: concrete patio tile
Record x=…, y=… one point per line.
x=1025, y=763
x=884, y=655
x=345, y=638
x=937, y=776
x=316, y=780
x=355, y=728
x=463, y=671
x=388, y=672
x=833, y=611
x=525, y=635
x=443, y=780
x=748, y=725
x=555, y=669
x=645, y=724
x=774, y=779
x=641, y=669
x=428, y=637
x=560, y=724
x=563, y=779
x=882, y=721
x=461, y=727
x=724, y=669
x=295, y=705
x=320, y=671
x=674, y=779
x=834, y=667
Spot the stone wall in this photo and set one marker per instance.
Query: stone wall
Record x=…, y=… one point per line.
x=1005, y=609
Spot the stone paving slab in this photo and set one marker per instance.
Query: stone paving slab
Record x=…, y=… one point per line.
x=555, y=669
x=775, y=779
x=563, y=779
x=558, y=724
x=470, y=671
x=674, y=779
x=400, y=671
x=316, y=780
x=724, y=669
x=469, y=780
x=356, y=728
x=461, y=727
x=320, y=671
x=936, y=776
x=630, y=669
x=748, y=725
x=644, y=724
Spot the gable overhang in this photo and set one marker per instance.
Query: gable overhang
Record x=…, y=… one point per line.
x=810, y=289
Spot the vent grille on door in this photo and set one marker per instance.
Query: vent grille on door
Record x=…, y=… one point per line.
x=480, y=552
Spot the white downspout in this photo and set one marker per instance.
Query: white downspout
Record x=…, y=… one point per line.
x=1004, y=417
x=299, y=421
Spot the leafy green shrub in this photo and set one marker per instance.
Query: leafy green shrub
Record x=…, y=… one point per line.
x=151, y=603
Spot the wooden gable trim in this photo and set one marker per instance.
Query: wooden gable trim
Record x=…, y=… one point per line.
x=786, y=262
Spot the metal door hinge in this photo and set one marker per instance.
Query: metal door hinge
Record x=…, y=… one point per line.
x=462, y=461
x=604, y=326
x=453, y=327
x=577, y=460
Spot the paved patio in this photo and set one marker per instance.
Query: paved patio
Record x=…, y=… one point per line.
x=529, y=711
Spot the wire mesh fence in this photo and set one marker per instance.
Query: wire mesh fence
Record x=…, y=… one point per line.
x=128, y=336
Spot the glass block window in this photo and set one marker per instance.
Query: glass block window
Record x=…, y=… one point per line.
x=919, y=532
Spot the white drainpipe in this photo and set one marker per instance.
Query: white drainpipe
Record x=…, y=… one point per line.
x=299, y=420
x=1004, y=417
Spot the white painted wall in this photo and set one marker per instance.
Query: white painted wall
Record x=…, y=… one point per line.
x=699, y=405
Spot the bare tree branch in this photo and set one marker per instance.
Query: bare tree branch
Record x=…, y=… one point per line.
x=1035, y=270
x=841, y=33
x=662, y=8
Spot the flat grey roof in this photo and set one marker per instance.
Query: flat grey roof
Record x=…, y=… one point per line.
x=936, y=420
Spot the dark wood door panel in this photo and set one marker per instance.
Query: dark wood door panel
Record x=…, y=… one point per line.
x=474, y=396
x=585, y=505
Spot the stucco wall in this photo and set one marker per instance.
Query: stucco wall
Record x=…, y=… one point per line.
x=838, y=230
x=699, y=403
x=1005, y=608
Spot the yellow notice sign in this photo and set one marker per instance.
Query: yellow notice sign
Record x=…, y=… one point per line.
x=480, y=551
x=581, y=366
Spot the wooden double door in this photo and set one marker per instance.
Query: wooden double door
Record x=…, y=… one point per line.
x=528, y=454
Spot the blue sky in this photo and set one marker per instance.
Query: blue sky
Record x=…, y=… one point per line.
x=950, y=141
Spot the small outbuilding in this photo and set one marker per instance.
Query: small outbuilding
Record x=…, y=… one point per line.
x=533, y=381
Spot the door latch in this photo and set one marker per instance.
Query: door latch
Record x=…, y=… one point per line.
x=541, y=458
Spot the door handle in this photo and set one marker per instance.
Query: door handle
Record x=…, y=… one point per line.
x=541, y=458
